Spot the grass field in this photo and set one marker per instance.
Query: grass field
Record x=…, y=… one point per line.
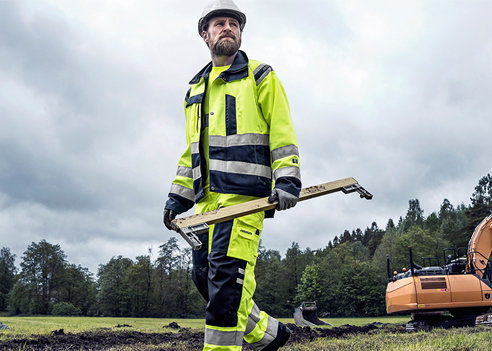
x=476, y=338
x=472, y=339
x=44, y=325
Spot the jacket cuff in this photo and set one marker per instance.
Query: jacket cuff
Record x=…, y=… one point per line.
x=270, y=213
x=291, y=185
x=178, y=203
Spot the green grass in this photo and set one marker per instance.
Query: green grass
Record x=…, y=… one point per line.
x=476, y=339
x=43, y=325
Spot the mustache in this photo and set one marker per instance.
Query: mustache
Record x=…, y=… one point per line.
x=232, y=36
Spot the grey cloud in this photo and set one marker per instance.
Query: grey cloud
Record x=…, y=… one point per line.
x=92, y=123
x=86, y=104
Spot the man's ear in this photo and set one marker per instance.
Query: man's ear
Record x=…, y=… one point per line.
x=204, y=36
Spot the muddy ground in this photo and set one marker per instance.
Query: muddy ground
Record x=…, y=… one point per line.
x=183, y=339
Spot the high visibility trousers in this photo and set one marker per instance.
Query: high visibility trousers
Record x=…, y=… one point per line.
x=223, y=272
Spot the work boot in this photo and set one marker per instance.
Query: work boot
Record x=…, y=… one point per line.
x=283, y=334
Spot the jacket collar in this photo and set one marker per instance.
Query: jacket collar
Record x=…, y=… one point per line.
x=238, y=69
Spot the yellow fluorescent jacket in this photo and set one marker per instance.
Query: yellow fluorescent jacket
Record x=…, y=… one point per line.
x=251, y=137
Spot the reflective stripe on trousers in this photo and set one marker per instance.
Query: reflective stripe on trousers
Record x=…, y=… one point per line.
x=261, y=329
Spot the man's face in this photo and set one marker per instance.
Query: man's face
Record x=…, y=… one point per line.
x=223, y=36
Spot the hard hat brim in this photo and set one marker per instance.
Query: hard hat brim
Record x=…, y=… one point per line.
x=239, y=16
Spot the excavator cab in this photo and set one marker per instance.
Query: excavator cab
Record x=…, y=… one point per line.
x=306, y=315
x=455, y=260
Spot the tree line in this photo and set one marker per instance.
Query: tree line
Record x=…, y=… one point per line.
x=345, y=278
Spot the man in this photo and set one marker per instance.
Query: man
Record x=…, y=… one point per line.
x=240, y=141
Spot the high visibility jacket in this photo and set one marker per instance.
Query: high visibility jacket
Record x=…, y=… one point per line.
x=251, y=140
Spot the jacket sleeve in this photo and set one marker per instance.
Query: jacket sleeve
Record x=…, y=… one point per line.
x=283, y=142
x=181, y=195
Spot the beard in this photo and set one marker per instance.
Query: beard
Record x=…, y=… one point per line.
x=225, y=47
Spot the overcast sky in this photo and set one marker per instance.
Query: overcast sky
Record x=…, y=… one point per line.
x=396, y=94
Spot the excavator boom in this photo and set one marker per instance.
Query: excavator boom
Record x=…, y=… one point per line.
x=480, y=248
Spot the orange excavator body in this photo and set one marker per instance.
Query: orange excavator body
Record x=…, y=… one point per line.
x=461, y=287
x=442, y=292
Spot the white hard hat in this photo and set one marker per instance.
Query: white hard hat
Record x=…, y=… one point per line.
x=221, y=8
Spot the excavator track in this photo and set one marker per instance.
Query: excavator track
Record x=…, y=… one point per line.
x=484, y=319
x=441, y=319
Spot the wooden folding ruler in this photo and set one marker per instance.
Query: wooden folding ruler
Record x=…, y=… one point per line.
x=195, y=224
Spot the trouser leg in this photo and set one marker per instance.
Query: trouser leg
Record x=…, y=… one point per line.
x=199, y=272
x=225, y=293
x=231, y=314
x=225, y=315
x=226, y=280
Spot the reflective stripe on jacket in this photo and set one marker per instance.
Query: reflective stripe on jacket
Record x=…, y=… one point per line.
x=251, y=137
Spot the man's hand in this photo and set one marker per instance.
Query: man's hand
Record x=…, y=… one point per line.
x=285, y=199
x=169, y=215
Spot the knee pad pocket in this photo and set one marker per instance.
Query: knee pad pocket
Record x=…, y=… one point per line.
x=225, y=289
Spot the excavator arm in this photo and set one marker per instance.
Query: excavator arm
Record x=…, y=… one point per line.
x=480, y=248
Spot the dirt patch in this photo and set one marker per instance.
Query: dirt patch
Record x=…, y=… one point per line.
x=172, y=325
x=103, y=340
x=184, y=339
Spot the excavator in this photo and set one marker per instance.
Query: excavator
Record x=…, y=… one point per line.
x=458, y=293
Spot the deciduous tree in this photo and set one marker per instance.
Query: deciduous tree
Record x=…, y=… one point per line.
x=42, y=274
x=7, y=276
x=113, y=295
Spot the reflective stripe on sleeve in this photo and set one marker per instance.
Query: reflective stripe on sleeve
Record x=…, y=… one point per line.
x=261, y=72
x=197, y=173
x=183, y=191
x=223, y=338
x=239, y=140
x=184, y=172
x=241, y=168
x=195, y=148
x=288, y=172
x=284, y=151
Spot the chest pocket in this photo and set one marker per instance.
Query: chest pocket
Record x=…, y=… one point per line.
x=193, y=119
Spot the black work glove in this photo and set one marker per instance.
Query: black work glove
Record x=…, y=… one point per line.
x=285, y=199
x=169, y=215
